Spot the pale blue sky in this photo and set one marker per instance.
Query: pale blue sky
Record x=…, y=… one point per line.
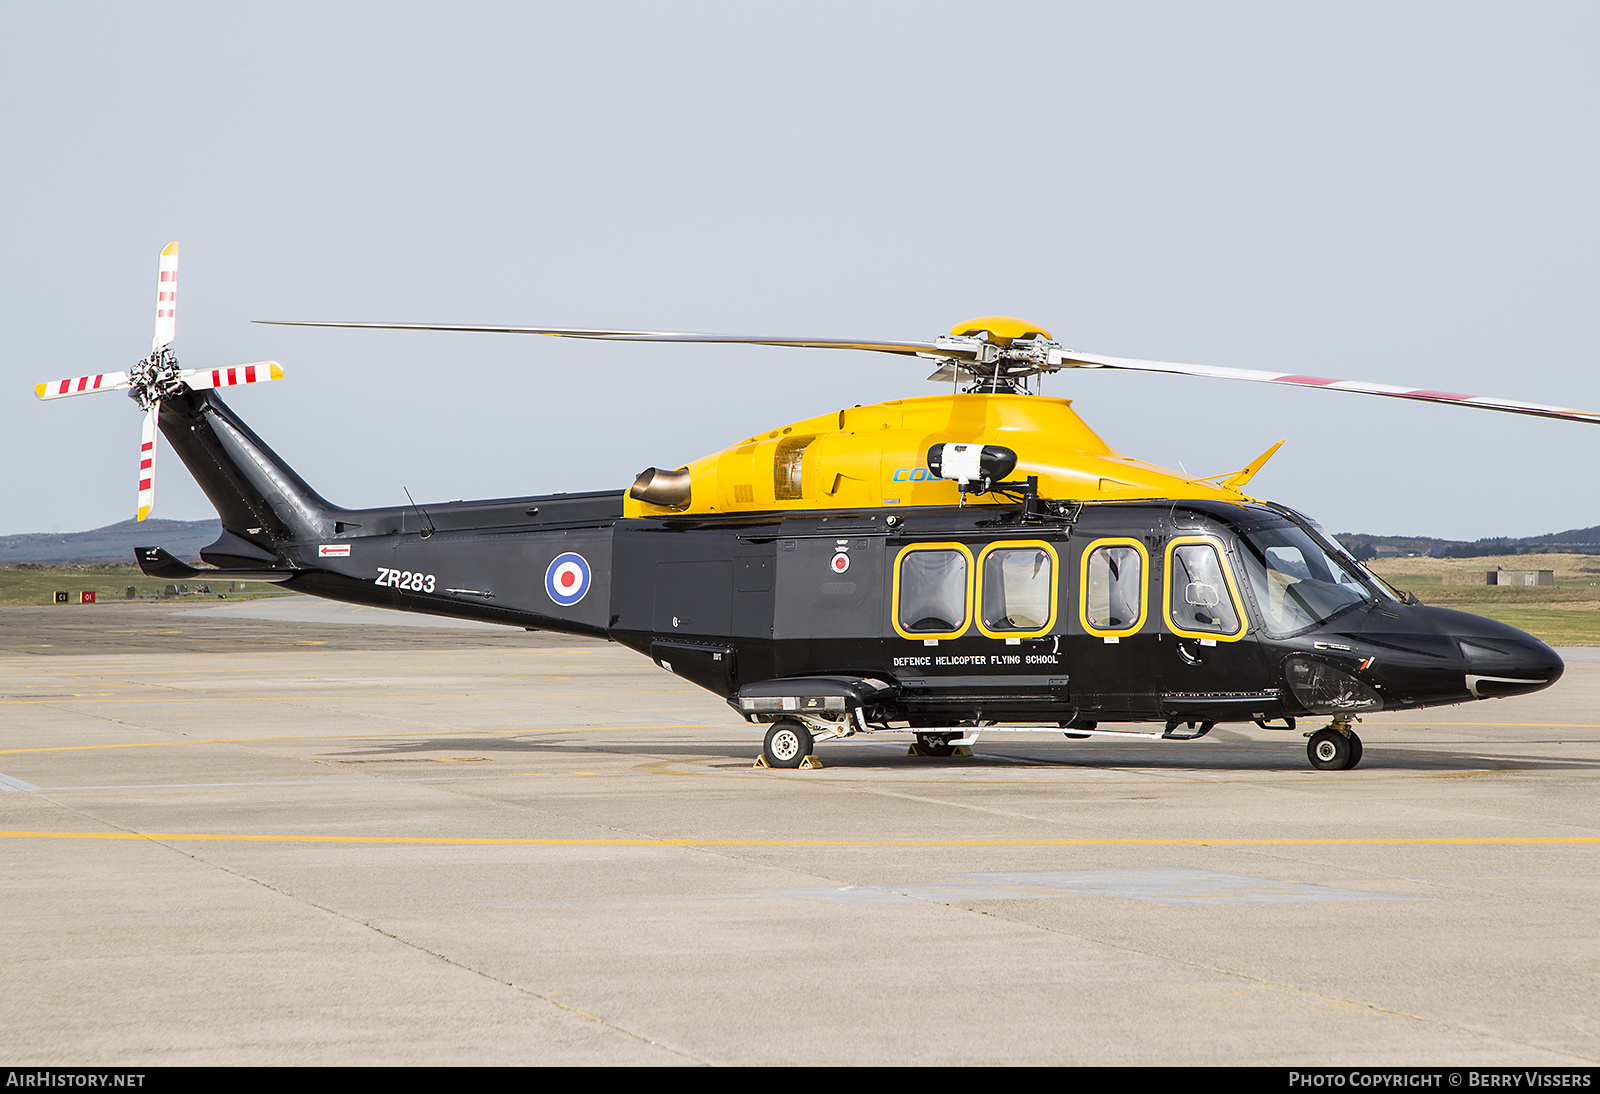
x=1403, y=193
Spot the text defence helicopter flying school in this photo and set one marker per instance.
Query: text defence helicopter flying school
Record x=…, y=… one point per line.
x=947, y=566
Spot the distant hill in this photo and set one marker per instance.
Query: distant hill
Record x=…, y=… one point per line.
x=1582, y=541
x=113, y=543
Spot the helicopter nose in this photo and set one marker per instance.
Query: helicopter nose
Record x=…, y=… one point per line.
x=1501, y=660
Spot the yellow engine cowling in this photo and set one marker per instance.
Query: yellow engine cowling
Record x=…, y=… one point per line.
x=871, y=457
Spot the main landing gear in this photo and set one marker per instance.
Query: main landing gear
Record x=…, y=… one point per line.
x=788, y=744
x=1334, y=747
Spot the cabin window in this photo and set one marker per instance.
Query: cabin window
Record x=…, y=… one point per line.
x=1115, y=579
x=1019, y=589
x=932, y=591
x=1201, y=599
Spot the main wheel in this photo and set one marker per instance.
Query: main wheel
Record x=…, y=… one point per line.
x=1067, y=732
x=935, y=744
x=1330, y=750
x=788, y=744
x=1355, y=751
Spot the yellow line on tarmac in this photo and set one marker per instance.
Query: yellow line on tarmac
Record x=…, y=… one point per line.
x=329, y=737
x=1409, y=841
x=1514, y=725
x=333, y=697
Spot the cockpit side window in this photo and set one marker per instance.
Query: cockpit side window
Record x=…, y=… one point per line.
x=933, y=591
x=1295, y=581
x=1202, y=600
x=1115, y=580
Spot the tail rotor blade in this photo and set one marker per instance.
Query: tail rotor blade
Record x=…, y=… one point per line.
x=166, y=299
x=81, y=385
x=147, y=462
x=256, y=372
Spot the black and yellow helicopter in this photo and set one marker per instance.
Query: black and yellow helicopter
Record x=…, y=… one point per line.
x=949, y=566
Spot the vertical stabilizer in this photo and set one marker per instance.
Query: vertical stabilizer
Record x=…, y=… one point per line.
x=264, y=505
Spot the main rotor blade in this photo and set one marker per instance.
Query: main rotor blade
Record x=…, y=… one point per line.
x=1073, y=359
x=81, y=385
x=909, y=348
x=974, y=351
x=147, y=462
x=166, y=298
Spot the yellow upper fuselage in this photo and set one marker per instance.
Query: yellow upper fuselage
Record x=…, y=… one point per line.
x=870, y=457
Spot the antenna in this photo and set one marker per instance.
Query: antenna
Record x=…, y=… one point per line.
x=427, y=520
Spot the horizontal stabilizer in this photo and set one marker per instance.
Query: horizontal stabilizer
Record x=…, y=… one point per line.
x=158, y=562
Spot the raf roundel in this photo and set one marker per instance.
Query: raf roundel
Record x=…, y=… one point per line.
x=567, y=579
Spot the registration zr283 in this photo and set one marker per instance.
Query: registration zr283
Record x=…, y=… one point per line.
x=404, y=579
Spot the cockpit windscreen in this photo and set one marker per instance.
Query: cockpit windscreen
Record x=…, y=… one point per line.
x=1296, y=582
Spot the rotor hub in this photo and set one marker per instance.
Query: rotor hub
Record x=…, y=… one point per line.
x=155, y=378
x=995, y=354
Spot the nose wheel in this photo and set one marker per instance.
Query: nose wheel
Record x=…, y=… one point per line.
x=1333, y=749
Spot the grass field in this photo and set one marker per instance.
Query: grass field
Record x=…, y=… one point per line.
x=29, y=584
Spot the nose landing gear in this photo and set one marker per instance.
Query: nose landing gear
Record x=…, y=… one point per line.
x=1336, y=746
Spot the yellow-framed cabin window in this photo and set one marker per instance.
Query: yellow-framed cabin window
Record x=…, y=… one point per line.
x=1114, y=587
x=932, y=590
x=1202, y=598
x=1017, y=588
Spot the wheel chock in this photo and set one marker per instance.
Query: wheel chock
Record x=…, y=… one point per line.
x=810, y=762
x=913, y=750
x=962, y=750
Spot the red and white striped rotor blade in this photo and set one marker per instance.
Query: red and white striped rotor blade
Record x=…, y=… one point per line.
x=1072, y=359
x=256, y=372
x=81, y=385
x=166, y=298
x=147, y=462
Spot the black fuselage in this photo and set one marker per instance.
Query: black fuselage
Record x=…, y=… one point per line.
x=1127, y=611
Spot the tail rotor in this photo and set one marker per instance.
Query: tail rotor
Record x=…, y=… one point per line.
x=158, y=377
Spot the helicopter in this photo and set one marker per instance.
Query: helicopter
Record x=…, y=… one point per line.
x=951, y=566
